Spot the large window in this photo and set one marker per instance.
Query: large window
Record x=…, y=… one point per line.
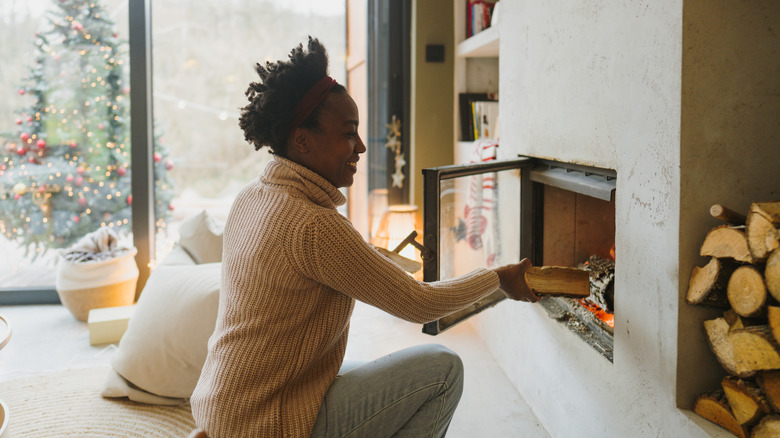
x=64, y=120
x=204, y=57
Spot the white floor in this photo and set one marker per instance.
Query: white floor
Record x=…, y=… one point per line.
x=48, y=338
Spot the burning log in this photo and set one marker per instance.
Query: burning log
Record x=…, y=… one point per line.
x=714, y=407
x=769, y=427
x=747, y=292
x=725, y=241
x=727, y=215
x=761, y=225
x=746, y=400
x=708, y=284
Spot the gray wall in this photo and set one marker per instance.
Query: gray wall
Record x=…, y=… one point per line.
x=681, y=98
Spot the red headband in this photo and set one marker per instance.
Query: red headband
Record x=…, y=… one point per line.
x=311, y=100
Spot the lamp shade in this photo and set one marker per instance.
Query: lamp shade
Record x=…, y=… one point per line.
x=396, y=224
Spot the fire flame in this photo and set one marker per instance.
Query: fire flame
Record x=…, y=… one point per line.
x=600, y=313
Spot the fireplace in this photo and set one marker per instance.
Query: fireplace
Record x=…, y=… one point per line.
x=556, y=214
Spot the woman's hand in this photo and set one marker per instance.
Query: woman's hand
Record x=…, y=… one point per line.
x=513, y=284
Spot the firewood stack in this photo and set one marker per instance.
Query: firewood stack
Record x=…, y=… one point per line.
x=743, y=277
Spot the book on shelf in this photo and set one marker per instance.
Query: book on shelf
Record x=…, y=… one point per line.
x=478, y=15
x=486, y=117
x=478, y=115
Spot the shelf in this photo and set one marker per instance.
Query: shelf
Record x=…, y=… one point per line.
x=481, y=45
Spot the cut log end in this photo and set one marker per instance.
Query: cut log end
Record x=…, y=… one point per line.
x=754, y=349
x=714, y=408
x=707, y=285
x=717, y=331
x=747, y=403
x=768, y=427
x=725, y=241
x=772, y=274
x=769, y=382
x=761, y=229
x=747, y=292
x=727, y=215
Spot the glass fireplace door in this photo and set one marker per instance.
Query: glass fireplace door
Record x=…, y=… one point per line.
x=472, y=220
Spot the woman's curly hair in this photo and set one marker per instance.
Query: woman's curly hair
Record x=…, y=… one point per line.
x=266, y=119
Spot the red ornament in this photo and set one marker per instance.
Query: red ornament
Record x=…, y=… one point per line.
x=169, y=165
x=41, y=144
x=79, y=181
x=170, y=207
x=21, y=151
x=82, y=202
x=73, y=144
x=41, y=189
x=24, y=136
x=69, y=178
x=80, y=170
x=100, y=126
x=21, y=92
x=78, y=26
x=121, y=171
x=129, y=199
x=157, y=157
x=76, y=218
x=17, y=196
x=29, y=118
x=18, y=121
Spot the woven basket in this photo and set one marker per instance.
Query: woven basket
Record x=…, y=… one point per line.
x=93, y=285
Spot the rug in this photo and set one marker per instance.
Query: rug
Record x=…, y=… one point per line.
x=68, y=404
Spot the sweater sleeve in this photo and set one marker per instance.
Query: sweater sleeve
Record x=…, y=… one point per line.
x=331, y=252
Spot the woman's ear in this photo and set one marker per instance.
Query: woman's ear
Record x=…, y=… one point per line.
x=299, y=142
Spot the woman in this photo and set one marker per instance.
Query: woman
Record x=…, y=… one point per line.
x=292, y=270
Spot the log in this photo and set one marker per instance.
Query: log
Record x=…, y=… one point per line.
x=768, y=427
x=725, y=241
x=754, y=349
x=714, y=408
x=772, y=274
x=769, y=382
x=747, y=403
x=558, y=281
x=717, y=331
x=708, y=284
x=737, y=322
x=763, y=237
x=726, y=215
x=747, y=292
x=773, y=320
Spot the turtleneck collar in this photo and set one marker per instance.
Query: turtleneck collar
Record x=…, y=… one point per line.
x=284, y=172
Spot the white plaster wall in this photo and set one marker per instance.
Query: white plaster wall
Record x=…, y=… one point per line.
x=598, y=82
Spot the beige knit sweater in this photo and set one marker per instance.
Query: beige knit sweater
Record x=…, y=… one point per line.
x=292, y=267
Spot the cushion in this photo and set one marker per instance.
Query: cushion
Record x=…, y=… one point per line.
x=201, y=237
x=165, y=345
x=177, y=256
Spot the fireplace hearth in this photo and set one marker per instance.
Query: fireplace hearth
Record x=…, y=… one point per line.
x=556, y=214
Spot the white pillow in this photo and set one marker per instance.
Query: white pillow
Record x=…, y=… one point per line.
x=177, y=256
x=201, y=237
x=164, y=348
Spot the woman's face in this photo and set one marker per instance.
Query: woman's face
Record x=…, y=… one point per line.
x=333, y=149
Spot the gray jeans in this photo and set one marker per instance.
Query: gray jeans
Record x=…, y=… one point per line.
x=409, y=393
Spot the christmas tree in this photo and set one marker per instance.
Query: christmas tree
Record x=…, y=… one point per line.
x=67, y=171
